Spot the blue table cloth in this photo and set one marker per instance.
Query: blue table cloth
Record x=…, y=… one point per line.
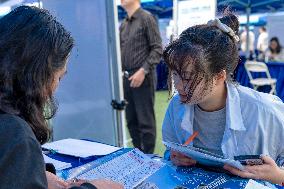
x=162, y=76
x=276, y=70
x=186, y=177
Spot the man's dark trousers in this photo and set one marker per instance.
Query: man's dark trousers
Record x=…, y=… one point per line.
x=140, y=114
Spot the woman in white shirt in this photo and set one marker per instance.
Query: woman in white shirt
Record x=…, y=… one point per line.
x=230, y=120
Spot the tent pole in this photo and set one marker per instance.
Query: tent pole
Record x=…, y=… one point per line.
x=248, y=11
x=175, y=18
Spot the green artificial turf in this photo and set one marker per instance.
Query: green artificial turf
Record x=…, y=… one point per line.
x=161, y=104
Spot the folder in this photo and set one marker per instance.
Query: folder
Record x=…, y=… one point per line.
x=202, y=156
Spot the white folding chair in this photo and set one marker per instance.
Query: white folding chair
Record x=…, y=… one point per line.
x=253, y=66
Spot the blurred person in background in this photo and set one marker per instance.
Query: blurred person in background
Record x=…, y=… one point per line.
x=275, y=51
x=251, y=42
x=141, y=50
x=262, y=43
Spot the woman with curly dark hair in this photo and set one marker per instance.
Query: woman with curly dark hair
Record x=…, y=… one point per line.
x=34, y=50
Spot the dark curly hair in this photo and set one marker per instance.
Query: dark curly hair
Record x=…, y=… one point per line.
x=33, y=47
x=206, y=47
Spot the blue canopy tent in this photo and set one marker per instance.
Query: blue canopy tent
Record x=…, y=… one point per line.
x=252, y=6
x=160, y=8
x=164, y=8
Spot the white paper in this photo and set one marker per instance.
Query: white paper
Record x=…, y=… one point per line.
x=130, y=169
x=255, y=185
x=80, y=148
x=203, y=158
x=59, y=165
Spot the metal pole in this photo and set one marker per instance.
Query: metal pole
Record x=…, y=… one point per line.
x=115, y=71
x=175, y=18
x=248, y=11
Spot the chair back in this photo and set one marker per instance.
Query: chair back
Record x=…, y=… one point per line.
x=254, y=66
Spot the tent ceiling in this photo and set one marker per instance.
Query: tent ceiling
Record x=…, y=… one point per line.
x=257, y=6
x=163, y=8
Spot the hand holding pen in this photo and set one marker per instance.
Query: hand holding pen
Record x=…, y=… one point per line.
x=180, y=159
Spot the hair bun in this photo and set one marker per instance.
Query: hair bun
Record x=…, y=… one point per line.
x=232, y=21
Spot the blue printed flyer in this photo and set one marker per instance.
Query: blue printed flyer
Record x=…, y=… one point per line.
x=136, y=170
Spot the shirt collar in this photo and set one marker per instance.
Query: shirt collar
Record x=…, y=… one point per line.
x=136, y=14
x=234, y=119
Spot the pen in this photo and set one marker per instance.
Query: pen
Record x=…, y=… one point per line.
x=191, y=138
x=48, y=151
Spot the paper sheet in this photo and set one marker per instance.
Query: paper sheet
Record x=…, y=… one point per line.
x=130, y=169
x=255, y=185
x=80, y=148
x=59, y=165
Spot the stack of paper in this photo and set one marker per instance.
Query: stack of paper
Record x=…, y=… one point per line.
x=80, y=148
x=59, y=165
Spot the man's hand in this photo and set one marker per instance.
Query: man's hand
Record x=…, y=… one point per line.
x=269, y=171
x=54, y=182
x=179, y=159
x=137, y=78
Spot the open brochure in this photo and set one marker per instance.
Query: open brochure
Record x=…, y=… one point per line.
x=136, y=170
x=130, y=169
x=203, y=157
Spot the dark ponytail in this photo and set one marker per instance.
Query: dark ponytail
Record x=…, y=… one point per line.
x=232, y=21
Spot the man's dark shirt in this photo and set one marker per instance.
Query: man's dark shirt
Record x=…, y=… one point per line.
x=140, y=41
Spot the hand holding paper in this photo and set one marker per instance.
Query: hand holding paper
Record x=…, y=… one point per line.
x=180, y=159
x=269, y=171
x=203, y=157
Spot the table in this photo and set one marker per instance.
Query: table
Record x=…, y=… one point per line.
x=168, y=176
x=276, y=70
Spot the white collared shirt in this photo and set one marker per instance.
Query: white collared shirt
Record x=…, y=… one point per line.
x=254, y=123
x=262, y=42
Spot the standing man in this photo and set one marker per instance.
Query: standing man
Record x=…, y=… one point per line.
x=251, y=43
x=141, y=50
x=262, y=42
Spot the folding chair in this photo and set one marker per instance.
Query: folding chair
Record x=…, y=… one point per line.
x=253, y=66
